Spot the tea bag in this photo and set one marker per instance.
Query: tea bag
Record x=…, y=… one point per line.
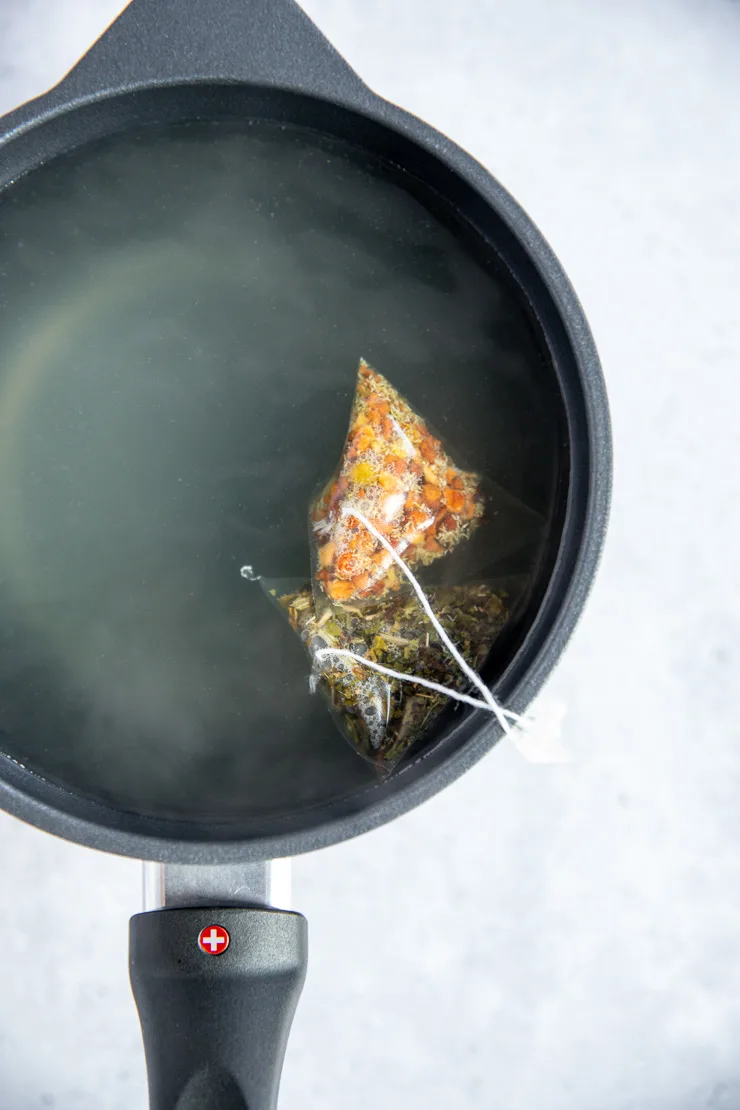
x=383, y=715
x=403, y=481
x=388, y=653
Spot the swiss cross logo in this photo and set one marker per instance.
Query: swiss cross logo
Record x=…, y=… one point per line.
x=214, y=940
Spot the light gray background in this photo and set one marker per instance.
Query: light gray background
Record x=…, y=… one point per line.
x=558, y=937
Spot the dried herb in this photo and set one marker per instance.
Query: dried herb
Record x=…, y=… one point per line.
x=404, y=482
x=390, y=660
x=384, y=716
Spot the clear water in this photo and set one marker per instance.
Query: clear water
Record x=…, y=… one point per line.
x=181, y=317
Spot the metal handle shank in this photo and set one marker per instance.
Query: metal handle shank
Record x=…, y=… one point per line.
x=216, y=1006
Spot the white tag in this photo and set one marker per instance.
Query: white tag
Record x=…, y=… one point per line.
x=539, y=736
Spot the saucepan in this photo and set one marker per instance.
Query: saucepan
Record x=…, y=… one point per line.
x=203, y=228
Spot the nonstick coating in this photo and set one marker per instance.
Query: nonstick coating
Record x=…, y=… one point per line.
x=182, y=309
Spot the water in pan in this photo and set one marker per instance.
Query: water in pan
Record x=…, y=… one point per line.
x=181, y=315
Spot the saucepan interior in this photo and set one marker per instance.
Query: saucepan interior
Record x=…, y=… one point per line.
x=188, y=278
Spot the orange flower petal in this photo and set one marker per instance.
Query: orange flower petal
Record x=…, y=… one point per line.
x=327, y=553
x=340, y=591
x=448, y=523
x=390, y=482
x=419, y=519
x=454, y=499
x=348, y=565
x=427, y=450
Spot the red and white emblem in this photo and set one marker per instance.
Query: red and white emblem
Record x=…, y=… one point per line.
x=213, y=940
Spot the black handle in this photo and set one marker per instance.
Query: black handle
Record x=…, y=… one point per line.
x=269, y=43
x=263, y=42
x=216, y=992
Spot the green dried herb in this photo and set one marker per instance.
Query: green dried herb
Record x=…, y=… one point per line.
x=383, y=716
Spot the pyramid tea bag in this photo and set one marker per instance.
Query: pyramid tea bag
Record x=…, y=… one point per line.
x=403, y=481
x=382, y=716
x=388, y=653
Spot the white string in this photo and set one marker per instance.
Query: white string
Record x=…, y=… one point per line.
x=436, y=686
x=488, y=698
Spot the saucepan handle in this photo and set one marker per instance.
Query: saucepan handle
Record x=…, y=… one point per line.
x=261, y=42
x=216, y=992
x=271, y=44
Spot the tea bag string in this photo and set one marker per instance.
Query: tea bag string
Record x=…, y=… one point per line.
x=489, y=702
x=417, y=680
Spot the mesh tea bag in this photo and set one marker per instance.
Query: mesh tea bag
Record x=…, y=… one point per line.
x=354, y=650
x=400, y=477
x=389, y=653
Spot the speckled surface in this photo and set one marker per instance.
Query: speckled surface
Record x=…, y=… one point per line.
x=565, y=937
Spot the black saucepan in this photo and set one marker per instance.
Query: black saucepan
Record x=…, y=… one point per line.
x=202, y=229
